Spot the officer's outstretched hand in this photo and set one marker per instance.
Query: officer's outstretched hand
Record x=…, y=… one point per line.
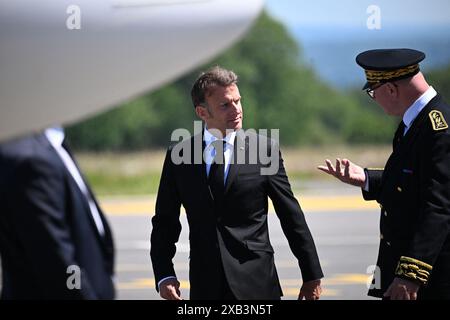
x=170, y=289
x=346, y=171
x=310, y=290
x=401, y=289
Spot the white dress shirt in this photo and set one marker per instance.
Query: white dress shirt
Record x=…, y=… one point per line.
x=55, y=136
x=210, y=151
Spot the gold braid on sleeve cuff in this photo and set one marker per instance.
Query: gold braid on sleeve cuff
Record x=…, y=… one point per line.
x=413, y=269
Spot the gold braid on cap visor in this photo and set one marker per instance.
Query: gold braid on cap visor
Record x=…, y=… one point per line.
x=378, y=76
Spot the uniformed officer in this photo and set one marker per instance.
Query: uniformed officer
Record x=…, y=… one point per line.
x=414, y=187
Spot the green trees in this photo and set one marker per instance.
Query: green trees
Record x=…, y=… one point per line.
x=440, y=80
x=278, y=92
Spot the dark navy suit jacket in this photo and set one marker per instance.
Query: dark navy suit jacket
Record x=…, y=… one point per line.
x=232, y=234
x=46, y=226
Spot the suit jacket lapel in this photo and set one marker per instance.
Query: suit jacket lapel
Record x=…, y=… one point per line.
x=107, y=238
x=417, y=124
x=414, y=130
x=73, y=185
x=107, y=234
x=410, y=136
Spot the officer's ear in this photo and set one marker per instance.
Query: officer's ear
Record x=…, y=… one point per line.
x=393, y=89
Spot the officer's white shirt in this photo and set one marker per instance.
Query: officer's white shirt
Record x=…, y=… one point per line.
x=55, y=136
x=413, y=111
x=411, y=114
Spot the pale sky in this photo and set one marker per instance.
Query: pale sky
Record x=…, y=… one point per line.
x=352, y=13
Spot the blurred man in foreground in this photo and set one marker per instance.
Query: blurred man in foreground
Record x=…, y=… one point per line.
x=54, y=240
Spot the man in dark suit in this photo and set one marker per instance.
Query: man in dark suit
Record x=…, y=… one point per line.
x=414, y=187
x=225, y=196
x=54, y=240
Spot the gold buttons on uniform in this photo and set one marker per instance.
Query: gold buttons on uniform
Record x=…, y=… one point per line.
x=385, y=213
x=399, y=189
x=387, y=242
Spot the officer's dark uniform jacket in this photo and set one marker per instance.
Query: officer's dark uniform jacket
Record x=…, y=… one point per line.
x=413, y=191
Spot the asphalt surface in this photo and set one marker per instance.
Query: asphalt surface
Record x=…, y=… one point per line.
x=344, y=227
x=346, y=240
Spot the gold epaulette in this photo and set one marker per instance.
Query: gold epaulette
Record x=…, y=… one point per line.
x=437, y=120
x=413, y=269
x=375, y=169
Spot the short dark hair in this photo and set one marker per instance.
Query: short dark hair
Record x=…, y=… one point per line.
x=216, y=76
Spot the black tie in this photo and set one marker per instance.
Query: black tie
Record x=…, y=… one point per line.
x=398, y=134
x=216, y=178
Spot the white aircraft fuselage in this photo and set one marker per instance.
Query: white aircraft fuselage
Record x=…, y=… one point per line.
x=64, y=60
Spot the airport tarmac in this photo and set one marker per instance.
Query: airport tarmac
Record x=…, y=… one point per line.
x=344, y=227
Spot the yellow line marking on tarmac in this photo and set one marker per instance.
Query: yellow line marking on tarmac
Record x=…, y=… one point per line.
x=146, y=206
x=347, y=279
x=146, y=283
x=340, y=279
x=291, y=287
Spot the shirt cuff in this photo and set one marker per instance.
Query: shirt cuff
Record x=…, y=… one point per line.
x=163, y=279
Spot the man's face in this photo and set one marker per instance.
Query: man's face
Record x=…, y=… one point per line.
x=386, y=96
x=223, y=110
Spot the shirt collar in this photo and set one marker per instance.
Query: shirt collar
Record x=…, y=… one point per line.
x=55, y=135
x=209, y=138
x=412, y=112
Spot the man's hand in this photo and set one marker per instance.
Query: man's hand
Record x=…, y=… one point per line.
x=346, y=171
x=310, y=290
x=170, y=289
x=401, y=289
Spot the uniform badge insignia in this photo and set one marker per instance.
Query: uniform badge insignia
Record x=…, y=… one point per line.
x=437, y=120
